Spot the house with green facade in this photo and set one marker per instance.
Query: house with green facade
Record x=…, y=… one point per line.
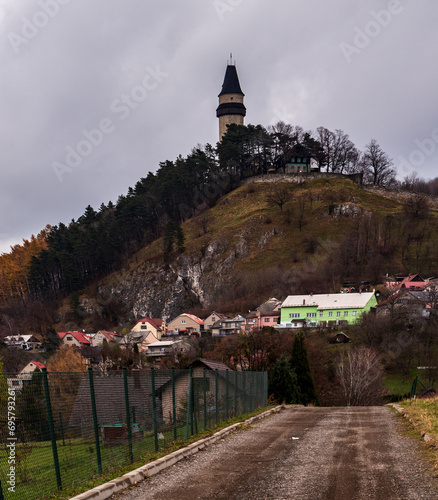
x=325, y=309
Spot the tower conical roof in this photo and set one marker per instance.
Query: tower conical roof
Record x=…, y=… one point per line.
x=231, y=83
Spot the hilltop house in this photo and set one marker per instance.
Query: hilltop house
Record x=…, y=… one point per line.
x=26, y=342
x=75, y=339
x=325, y=309
x=102, y=335
x=185, y=324
x=24, y=377
x=142, y=339
x=267, y=314
x=300, y=160
x=154, y=325
x=212, y=318
x=411, y=282
x=407, y=304
x=227, y=326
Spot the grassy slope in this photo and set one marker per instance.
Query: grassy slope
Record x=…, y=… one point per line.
x=246, y=212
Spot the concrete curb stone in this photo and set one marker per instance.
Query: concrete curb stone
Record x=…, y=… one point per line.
x=427, y=437
x=104, y=491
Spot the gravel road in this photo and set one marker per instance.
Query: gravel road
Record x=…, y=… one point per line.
x=302, y=453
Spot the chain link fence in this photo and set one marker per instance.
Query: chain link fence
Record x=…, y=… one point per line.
x=59, y=430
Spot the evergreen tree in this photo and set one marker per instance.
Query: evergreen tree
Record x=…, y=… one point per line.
x=51, y=340
x=76, y=307
x=32, y=410
x=299, y=361
x=283, y=382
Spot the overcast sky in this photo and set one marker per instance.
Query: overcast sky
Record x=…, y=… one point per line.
x=95, y=93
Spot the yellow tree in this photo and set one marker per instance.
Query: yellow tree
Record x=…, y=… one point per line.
x=66, y=370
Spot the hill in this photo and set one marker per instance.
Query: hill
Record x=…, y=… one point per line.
x=248, y=248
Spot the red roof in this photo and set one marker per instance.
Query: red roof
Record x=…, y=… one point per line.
x=80, y=337
x=155, y=322
x=37, y=363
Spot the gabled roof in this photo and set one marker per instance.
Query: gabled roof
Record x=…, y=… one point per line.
x=210, y=365
x=155, y=322
x=330, y=300
x=80, y=337
x=110, y=335
x=191, y=316
x=219, y=315
x=297, y=150
x=36, y=363
x=231, y=83
x=269, y=306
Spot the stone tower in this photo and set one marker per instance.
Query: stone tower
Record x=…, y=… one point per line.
x=231, y=108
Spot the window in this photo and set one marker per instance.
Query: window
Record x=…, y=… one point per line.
x=267, y=320
x=183, y=321
x=311, y=315
x=294, y=315
x=143, y=327
x=354, y=313
x=345, y=313
x=321, y=314
x=338, y=313
x=330, y=314
x=69, y=337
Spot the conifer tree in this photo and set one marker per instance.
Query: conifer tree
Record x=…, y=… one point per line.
x=299, y=361
x=283, y=382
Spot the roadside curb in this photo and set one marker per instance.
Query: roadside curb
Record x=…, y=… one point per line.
x=131, y=478
x=427, y=437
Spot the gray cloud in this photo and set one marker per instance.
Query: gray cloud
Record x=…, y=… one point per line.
x=305, y=62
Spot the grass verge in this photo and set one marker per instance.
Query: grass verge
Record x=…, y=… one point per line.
x=423, y=414
x=150, y=457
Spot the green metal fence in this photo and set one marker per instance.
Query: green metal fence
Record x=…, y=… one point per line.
x=59, y=430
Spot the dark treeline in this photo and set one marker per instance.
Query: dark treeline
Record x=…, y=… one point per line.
x=98, y=242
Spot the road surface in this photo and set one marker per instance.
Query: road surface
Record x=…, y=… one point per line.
x=302, y=453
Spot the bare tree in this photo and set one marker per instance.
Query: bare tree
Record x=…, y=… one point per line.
x=279, y=196
x=340, y=154
x=417, y=206
x=360, y=375
x=377, y=165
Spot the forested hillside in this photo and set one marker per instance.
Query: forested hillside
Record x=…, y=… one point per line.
x=185, y=238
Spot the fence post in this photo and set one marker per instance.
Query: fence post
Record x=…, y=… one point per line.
x=62, y=429
x=189, y=403
x=154, y=408
x=128, y=414
x=414, y=387
x=52, y=429
x=173, y=403
x=204, y=387
x=226, y=398
x=251, y=391
x=235, y=393
x=216, y=379
x=96, y=425
x=244, y=392
x=192, y=401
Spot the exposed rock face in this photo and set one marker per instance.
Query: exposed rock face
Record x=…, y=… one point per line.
x=346, y=210
x=160, y=291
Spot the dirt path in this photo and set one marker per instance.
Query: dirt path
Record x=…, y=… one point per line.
x=302, y=453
